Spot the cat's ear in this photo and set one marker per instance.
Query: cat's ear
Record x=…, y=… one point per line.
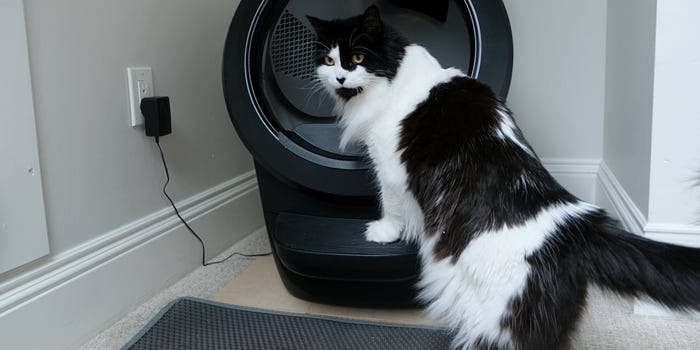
x=317, y=23
x=372, y=21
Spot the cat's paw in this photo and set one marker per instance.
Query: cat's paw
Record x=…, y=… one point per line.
x=383, y=231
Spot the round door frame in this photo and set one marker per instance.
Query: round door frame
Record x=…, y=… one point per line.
x=493, y=50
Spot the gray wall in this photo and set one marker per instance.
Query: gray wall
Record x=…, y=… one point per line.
x=629, y=88
x=558, y=86
x=98, y=172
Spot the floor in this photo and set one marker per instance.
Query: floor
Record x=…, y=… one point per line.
x=608, y=324
x=260, y=286
x=203, y=283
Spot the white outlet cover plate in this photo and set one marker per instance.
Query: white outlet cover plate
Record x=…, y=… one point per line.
x=140, y=82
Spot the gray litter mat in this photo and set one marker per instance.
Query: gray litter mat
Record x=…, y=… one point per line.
x=193, y=324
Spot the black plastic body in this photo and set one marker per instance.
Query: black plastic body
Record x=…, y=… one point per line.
x=316, y=204
x=156, y=115
x=321, y=254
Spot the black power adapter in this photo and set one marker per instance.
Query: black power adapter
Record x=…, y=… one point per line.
x=156, y=115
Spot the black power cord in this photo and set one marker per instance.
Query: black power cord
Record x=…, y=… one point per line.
x=177, y=212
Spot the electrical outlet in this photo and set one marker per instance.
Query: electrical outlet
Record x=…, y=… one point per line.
x=140, y=81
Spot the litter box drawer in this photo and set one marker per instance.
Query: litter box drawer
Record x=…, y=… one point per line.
x=336, y=249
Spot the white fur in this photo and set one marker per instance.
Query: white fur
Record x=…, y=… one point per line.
x=368, y=118
x=473, y=293
x=507, y=130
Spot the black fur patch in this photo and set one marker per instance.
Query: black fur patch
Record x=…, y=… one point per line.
x=549, y=308
x=347, y=93
x=382, y=46
x=466, y=179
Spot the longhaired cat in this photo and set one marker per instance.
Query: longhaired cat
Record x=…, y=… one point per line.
x=507, y=253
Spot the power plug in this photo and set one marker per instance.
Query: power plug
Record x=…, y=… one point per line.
x=156, y=115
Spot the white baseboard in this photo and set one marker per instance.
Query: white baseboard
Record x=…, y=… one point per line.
x=578, y=176
x=622, y=205
x=634, y=220
x=69, y=298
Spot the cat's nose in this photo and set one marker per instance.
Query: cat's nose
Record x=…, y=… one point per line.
x=340, y=80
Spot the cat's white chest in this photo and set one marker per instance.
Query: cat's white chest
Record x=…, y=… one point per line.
x=382, y=144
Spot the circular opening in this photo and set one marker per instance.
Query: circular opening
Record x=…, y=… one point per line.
x=289, y=127
x=300, y=108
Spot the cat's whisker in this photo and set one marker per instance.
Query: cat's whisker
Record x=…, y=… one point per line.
x=322, y=44
x=358, y=37
x=307, y=87
x=351, y=34
x=321, y=100
x=310, y=85
x=366, y=49
x=311, y=93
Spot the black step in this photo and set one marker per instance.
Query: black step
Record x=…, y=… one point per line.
x=336, y=249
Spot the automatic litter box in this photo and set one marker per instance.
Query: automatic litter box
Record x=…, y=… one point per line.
x=317, y=198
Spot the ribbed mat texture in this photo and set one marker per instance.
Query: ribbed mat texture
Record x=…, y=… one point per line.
x=195, y=324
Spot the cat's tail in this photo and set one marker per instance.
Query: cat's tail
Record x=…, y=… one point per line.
x=632, y=265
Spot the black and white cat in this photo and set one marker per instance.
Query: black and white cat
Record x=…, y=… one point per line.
x=507, y=253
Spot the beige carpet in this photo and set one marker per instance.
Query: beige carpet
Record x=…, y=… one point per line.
x=260, y=286
x=608, y=324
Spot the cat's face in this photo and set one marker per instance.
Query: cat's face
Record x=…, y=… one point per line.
x=350, y=54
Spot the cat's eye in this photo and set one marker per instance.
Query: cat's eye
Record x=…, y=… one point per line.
x=328, y=61
x=358, y=58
